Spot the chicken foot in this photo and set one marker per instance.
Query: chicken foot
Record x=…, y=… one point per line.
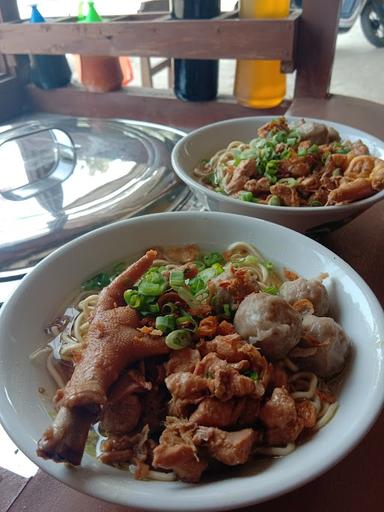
x=112, y=343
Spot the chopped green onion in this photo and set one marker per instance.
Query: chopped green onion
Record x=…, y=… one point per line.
x=272, y=167
x=271, y=170
x=280, y=136
x=227, y=310
x=178, y=339
x=246, y=196
x=314, y=149
x=213, y=257
x=166, y=323
x=267, y=264
x=274, y=201
x=315, y=203
x=207, y=274
x=154, y=276
x=154, y=308
x=291, y=182
x=176, y=278
x=185, y=295
x=199, y=264
x=133, y=299
x=272, y=290
x=218, y=268
x=291, y=141
x=252, y=375
x=196, y=285
x=152, y=289
x=336, y=172
x=186, y=322
x=302, y=152
x=168, y=308
x=342, y=151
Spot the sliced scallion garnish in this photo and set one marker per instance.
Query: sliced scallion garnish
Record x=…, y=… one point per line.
x=166, y=323
x=176, y=278
x=178, y=339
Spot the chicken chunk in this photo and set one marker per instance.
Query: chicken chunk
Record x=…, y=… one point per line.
x=177, y=451
x=184, y=360
x=270, y=323
x=231, y=448
x=310, y=289
x=281, y=419
x=211, y=412
x=243, y=172
x=279, y=410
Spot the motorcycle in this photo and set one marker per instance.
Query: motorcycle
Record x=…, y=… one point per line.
x=371, y=14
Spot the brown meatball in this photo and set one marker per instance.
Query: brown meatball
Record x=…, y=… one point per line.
x=309, y=289
x=330, y=357
x=269, y=322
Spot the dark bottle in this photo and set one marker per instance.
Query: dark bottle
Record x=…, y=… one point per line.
x=48, y=71
x=195, y=80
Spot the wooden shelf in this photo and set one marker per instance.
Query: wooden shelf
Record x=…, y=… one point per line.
x=157, y=36
x=153, y=105
x=304, y=41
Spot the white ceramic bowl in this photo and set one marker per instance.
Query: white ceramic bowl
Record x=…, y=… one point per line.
x=204, y=142
x=43, y=294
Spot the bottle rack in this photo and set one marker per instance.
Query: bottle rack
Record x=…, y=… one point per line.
x=151, y=34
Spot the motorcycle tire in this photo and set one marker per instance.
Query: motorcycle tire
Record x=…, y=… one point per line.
x=372, y=25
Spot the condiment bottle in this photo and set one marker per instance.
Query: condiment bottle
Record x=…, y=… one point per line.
x=99, y=73
x=260, y=83
x=195, y=80
x=48, y=71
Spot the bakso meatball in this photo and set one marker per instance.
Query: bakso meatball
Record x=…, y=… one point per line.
x=328, y=358
x=310, y=289
x=232, y=285
x=268, y=322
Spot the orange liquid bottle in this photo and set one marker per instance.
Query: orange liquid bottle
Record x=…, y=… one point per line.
x=259, y=83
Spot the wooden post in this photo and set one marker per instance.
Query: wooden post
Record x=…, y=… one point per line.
x=14, y=70
x=316, y=47
x=9, y=10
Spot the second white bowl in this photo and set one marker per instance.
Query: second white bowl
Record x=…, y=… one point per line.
x=206, y=141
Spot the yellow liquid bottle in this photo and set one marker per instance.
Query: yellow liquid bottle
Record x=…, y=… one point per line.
x=260, y=83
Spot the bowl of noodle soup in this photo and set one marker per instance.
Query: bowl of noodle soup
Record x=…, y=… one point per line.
x=294, y=178
x=27, y=385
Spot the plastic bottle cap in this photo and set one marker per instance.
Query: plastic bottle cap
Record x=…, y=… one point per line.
x=80, y=13
x=36, y=17
x=92, y=16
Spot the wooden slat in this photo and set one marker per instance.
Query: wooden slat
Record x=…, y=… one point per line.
x=141, y=16
x=137, y=103
x=316, y=47
x=194, y=39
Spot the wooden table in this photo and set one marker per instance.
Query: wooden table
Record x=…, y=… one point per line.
x=353, y=485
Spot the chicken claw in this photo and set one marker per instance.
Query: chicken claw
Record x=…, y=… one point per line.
x=112, y=343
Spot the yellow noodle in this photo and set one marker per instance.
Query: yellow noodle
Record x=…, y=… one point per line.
x=156, y=475
x=327, y=415
x=312, y=384
x=276, y=451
